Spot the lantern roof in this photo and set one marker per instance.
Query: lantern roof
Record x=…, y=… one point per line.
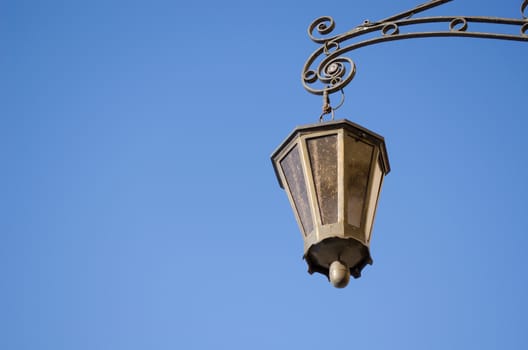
x=345, y=124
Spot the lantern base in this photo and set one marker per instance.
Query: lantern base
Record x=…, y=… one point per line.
x=351, y=252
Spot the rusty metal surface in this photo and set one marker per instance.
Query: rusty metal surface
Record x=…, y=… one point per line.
x=327, y=70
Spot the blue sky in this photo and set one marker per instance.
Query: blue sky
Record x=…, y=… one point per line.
x=139, y=207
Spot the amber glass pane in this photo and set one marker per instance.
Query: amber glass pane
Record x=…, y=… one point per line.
x=358, y=157
x=373, y=198
x=323, y=160
x=293, y=171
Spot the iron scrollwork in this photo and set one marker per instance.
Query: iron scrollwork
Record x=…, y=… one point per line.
x=334, y=70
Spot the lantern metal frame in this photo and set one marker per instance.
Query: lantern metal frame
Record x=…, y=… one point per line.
x=326, y=241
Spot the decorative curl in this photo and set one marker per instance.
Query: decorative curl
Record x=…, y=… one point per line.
x=334, y=72
x=328, y=71
x=324, y=26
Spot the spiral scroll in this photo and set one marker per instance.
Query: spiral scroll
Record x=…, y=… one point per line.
x=328, y=70
x=324, y=25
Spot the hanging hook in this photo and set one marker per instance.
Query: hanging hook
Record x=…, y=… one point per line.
x=327, y=107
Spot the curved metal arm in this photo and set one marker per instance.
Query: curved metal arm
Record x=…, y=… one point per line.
x=334, y=71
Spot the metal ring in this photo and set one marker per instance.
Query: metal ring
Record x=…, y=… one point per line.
x=310, y=76
x=390, y=29
x=333, y=109
x=523, y=8
x=455, y=22
x=340, y=102
x=524, y=29
x=330, y=46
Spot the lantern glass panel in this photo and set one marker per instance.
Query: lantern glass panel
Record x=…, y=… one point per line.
x=294, y=174
x=357, y=169
x=323, y=160
x=377, y=178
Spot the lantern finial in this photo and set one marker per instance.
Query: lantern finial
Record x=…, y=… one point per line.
x=339, y=274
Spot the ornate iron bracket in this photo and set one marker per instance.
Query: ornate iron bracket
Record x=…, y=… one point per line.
x=334, y=71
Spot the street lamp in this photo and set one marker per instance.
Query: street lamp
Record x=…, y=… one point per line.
x=333, y=171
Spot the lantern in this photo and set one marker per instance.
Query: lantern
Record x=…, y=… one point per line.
x=332, y=173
